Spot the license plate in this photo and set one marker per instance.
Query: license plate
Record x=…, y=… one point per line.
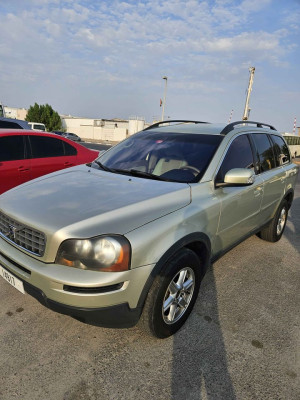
x=15, y=282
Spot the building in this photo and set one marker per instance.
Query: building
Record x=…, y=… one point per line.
x=111, y=130
x=16, y=113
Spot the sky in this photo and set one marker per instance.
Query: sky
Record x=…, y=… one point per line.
x=107, y=59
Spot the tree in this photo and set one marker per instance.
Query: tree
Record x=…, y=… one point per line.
x=46, y=115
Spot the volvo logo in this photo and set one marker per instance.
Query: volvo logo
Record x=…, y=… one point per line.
x=11, y=231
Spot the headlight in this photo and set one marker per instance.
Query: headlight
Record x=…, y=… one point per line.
x=104, y=253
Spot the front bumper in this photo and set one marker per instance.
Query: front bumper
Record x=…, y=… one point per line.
x=108, y=299
x=118, y=316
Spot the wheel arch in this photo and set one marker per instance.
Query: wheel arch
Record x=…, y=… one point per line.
x=198, y=242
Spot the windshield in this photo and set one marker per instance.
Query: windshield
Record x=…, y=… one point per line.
x=179, y=157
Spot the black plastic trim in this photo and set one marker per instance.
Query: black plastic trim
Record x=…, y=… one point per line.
x=117, y=316
x=231, y=126
x=157, y=124
x=248, y=235
x=99, y=289
x=196, y=237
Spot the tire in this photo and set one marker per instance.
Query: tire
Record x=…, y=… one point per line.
x=172, y=295
x=274, y=231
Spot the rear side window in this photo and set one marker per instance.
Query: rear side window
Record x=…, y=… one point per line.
x=10, y=125
x=281, y=150
x=239, y=155
x=11, y=148
x=264, y=151
x=69, y=150
x=45, y=146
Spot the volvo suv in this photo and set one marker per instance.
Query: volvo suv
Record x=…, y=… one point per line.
x=128, y=237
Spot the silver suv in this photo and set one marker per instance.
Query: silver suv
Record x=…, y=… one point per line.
x=129, y=237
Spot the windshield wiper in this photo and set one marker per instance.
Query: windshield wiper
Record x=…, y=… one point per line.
x=104, y=167
x=133, y=172
x=113, y=170
x=148, y=175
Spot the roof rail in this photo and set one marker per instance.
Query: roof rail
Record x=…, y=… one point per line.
x=231, y=126
x=183, y=121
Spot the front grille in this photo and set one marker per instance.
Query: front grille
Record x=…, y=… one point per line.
x=23, y=236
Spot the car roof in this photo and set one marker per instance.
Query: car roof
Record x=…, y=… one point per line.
x=13, y=122
x=9, y=132
x=198, y=127
x=212, y=129
x=14, y=132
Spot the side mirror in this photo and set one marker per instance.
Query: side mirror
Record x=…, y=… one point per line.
x=239, y=177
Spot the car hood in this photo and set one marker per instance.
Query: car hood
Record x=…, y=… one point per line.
x=85, y=202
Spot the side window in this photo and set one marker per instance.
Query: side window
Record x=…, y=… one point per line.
x=264, y=151
x=11, y=148
x=239, y=155
x=10, y=125
x=281, y=150
x=69, y=150
x=45, y=146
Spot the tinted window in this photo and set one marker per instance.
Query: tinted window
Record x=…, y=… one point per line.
x=11, y=148
x=281, y=150
x=264, y=151
x=10, y=125
x=239, y=155
x=70, y=150
x=44, y=146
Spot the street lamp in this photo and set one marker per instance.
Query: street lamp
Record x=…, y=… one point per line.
x=164, y=101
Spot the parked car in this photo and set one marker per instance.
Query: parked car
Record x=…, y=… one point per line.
x=60, y=133
x=25, y=155
x=68, y=135
x=10, y=123
x=129, y=237
x=72, y=136
x=37, y=126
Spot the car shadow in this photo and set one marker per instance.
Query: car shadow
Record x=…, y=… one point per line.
x=200, y=368
x=292, y=230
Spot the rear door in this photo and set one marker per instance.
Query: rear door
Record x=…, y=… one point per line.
x=272, y=173
x=50, y=154
x=14, y=163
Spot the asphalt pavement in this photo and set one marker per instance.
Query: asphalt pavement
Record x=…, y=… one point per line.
x=240, y=342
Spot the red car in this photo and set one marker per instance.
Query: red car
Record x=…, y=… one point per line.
x=25, y=155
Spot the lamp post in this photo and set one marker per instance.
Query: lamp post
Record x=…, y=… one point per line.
x=164, y=101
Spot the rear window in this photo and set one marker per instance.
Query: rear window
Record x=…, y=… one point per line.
x=70, y=150
x=11, y=148
x=10, y=125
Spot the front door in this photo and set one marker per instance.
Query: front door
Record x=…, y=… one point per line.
x=240, y=205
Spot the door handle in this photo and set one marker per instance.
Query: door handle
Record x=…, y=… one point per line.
x=23, y=169
x=68, y=164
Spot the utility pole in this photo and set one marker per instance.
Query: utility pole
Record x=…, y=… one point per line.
x=164, y=101
x=247, y=109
